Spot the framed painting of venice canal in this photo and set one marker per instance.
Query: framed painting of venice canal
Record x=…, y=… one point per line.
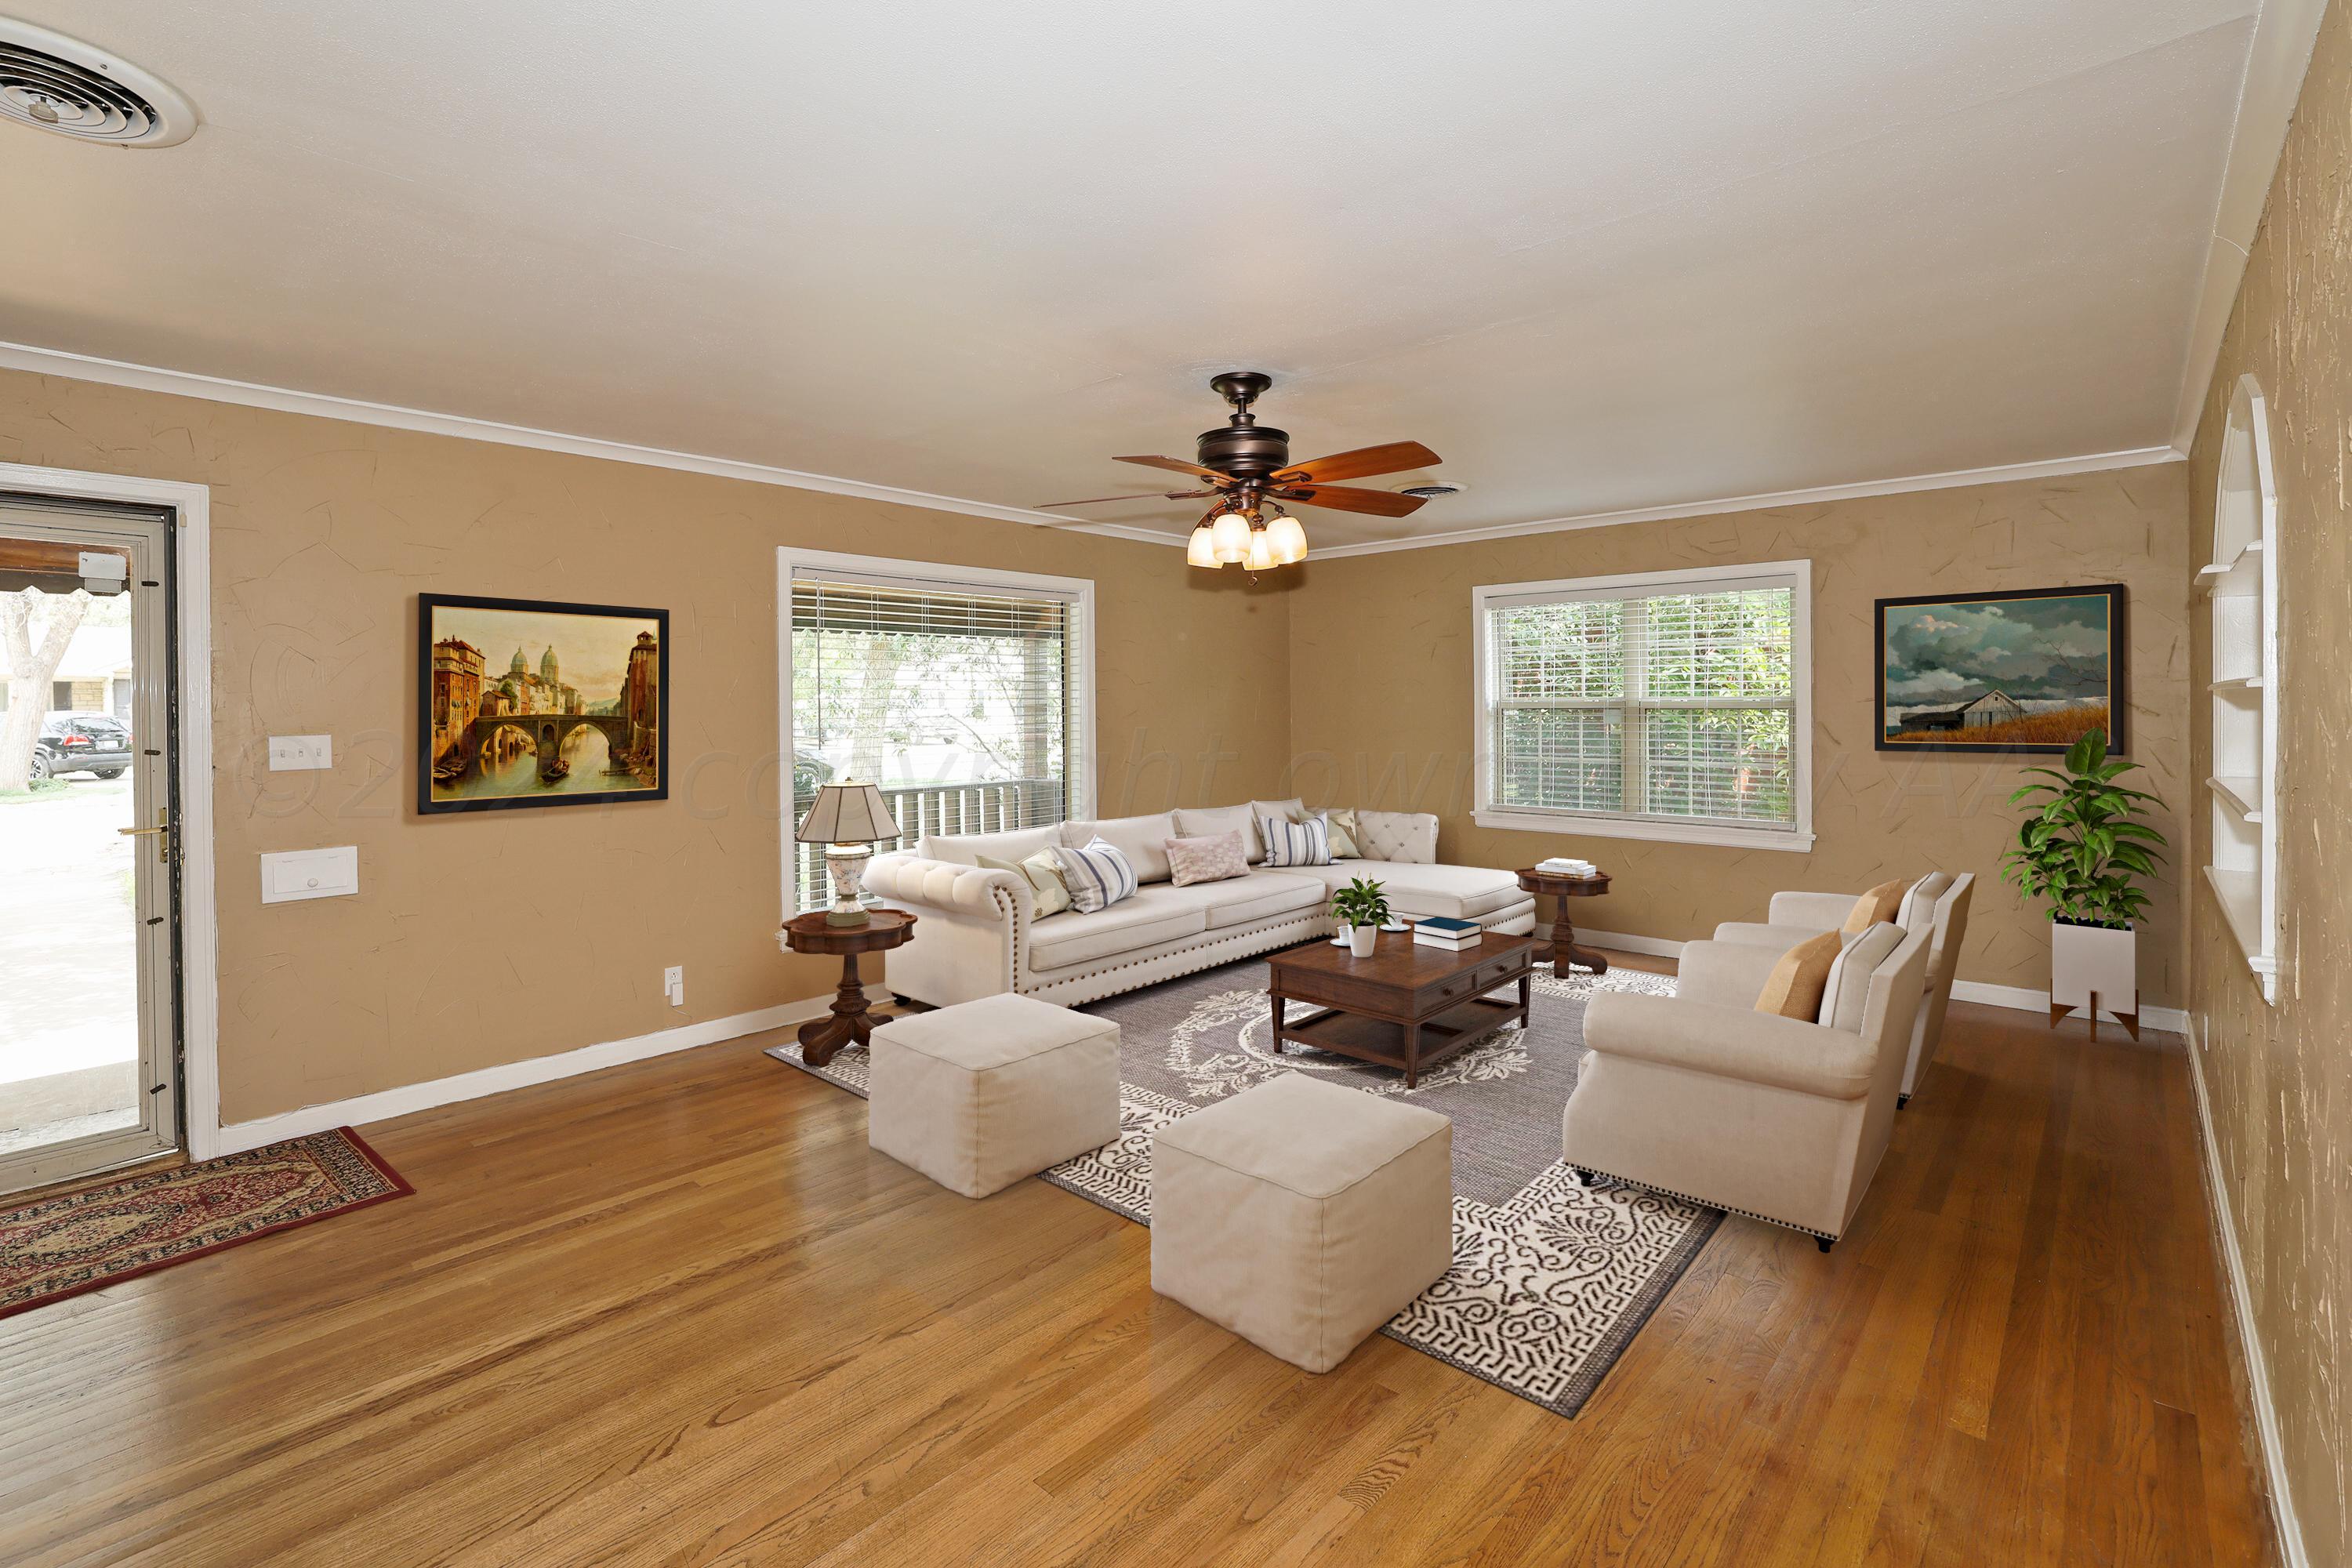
x=534, y=703
x=2031, y=671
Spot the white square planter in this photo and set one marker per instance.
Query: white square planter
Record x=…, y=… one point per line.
x=2085, y=961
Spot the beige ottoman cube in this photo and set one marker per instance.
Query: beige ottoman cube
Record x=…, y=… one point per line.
x=980, y=1094
x=1302, y=1215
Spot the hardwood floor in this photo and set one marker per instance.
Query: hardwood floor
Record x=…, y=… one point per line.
x=678, y=1314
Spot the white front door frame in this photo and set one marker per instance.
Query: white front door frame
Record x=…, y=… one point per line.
x=199, y=926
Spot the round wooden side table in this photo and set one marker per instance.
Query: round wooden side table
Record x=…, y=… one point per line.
x=820, y=1039
x=1562, y=887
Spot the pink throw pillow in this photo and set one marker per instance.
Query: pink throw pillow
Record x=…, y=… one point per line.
x=1216, y=858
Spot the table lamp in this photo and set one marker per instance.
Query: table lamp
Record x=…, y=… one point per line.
x=847, y=818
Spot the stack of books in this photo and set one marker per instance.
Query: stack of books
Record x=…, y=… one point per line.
x=1562, y=866
x=1443, y=930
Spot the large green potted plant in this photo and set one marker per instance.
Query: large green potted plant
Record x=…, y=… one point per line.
x=1361, y=909
x=2083, y=850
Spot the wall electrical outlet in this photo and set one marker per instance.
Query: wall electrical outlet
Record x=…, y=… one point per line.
x=674, y=984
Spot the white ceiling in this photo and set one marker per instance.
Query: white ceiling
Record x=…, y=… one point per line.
x=1599, y=257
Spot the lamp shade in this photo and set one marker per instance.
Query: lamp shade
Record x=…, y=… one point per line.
x=1261, y=554
x=1228, y=537
x=848, y=814
x=1286, y=539
x=1201, y=551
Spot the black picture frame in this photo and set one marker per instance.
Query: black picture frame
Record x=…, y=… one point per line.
x=2119, y=669
x=427, y=635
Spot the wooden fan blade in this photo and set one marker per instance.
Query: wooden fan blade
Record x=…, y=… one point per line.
x=1177, y=464
x=1358, y=464
x=1348, y=498
x=1147, y=494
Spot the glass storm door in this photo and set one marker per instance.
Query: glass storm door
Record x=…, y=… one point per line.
x=87, y=864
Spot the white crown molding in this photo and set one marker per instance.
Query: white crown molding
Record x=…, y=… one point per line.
x=252, y=395
x=2276, y=60
x=2091, y=463
x=321, y=406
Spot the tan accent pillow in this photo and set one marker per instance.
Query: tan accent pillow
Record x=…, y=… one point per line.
x=1043, y=875
x=1876, y=905
x=1216, y=858
x=1343, y=823
x=1794, y=988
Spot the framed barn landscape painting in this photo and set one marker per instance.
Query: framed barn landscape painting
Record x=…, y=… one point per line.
x=2031, y=670
x=527, y=702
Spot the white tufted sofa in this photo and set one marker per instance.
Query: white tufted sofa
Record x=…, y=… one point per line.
x=980, y=935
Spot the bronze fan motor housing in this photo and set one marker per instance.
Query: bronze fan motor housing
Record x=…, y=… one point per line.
x=1241, y=447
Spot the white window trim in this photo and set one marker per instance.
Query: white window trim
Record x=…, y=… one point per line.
x=924, y=573
x=1603, y=824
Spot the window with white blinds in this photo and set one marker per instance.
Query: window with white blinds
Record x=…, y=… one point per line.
x=1656, y=705
x=964, y=695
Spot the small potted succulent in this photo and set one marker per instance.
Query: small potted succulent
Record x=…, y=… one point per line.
x=1361, y=910
x=2082, y=850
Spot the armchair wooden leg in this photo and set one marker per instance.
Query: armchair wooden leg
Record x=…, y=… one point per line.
x=1823, y=1242
x=1901, y=1100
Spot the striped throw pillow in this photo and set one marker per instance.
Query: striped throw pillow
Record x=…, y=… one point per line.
x=1306, y=843
x=1098, y=875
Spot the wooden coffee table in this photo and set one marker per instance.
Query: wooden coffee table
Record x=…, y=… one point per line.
x=1408, y=1006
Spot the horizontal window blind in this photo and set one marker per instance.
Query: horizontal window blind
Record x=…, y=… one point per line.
x=1674, y=704
x=960, y=700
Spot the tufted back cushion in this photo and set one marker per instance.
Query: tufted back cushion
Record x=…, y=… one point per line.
x=1407, y=836
x=966, y=848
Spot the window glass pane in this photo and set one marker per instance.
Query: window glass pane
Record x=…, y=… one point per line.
x=1572, y=759
x=1575, y=648
x=1732, y=646
x=1729, y=763
x=958, y=704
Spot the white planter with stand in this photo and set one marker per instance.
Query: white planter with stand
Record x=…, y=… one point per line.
x=2094, y=969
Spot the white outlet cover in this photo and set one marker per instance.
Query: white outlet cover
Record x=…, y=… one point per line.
x=311, y=874
x=291, y=751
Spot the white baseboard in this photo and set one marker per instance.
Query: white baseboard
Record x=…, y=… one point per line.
x=2017, y=997
x=1623, y=942
x=2241, y=1304
x=414, y=1097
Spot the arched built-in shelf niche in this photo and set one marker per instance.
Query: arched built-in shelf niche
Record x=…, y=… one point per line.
x=2242, y=586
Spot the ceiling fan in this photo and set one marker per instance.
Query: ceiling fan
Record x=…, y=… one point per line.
x=1247, y=467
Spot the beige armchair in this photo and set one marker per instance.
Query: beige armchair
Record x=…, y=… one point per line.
x=1699, y=1096
x=1938, y=903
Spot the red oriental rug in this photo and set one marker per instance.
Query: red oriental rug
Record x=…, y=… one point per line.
x=60, y=1247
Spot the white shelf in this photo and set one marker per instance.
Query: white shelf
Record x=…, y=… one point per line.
x=2239, y=683
x=2242, y=558
x=2242, y=794
x=2239, y=894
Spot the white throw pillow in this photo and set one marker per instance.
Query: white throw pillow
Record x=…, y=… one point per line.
x=1291, y=810
x=1098, y=875
x=1142, y=839
x=1306, y=843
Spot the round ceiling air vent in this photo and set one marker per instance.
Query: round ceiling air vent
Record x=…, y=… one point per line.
x=1430, y=491
x=52, y=82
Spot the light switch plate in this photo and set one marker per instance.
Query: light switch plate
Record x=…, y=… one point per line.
x=300, y=751
x=310, y=874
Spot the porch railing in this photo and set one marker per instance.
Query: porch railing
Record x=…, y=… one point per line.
x=994, y=807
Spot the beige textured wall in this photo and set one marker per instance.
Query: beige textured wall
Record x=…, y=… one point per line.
x=1382, y=705
x=483, y=939
x=2280, y=1078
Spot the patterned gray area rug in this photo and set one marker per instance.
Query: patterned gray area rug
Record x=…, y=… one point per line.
x=1551, y=1279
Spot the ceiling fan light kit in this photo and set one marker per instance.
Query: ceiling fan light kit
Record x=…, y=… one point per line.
x=1247, y=467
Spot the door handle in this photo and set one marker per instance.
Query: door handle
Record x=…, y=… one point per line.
x=162, y=830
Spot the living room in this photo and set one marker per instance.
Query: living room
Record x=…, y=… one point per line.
x=872, y=704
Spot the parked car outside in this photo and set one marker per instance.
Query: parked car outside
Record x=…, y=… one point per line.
x=82, y=743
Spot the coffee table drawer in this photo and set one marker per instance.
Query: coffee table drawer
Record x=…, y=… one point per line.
x=1495, y=972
